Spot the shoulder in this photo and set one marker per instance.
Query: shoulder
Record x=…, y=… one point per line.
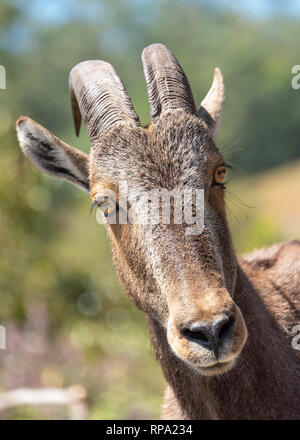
x=274, y=272
x=278, y=256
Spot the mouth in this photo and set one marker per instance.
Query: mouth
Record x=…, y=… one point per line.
x=210, y=357
x=216, y=369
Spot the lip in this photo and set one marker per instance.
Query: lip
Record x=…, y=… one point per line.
x=217, y=368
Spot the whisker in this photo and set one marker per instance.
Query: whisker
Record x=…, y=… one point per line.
x=237, y=199
x=231, y=213
x=237, y=205
x=232, y=148
x=228, y=209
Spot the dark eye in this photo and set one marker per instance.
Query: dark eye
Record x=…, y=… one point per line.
x=109, y=210
x=219, y=176
x=106, y=205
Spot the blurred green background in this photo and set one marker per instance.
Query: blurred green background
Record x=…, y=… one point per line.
x=66, y=317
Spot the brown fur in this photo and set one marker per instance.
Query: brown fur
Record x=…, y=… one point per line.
x=264, y=384
x=177, y=279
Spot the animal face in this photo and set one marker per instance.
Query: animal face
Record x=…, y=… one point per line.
x=181, y=277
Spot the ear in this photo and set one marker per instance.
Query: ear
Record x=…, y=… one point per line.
x=211, y=107
x=51, y=155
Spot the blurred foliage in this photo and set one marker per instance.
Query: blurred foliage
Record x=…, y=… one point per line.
x=67, y=318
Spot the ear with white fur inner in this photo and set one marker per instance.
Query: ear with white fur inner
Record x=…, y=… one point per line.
x=211, y=107
x=51, y=155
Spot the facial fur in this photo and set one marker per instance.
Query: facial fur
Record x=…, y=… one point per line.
x=173, y=277
x=185, y=282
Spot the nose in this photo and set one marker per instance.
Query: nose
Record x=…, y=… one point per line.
x=210, y=335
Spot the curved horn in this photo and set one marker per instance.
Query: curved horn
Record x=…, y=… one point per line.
x=168, y=87
x=211, y=107
x=97, y=93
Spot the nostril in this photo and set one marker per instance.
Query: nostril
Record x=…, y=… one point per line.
x=210, y=335
x=194, y=335
x=226, y=327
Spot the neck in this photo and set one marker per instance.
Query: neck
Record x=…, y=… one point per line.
x=259, y=386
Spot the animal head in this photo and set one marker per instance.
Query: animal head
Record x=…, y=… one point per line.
x=185, y=281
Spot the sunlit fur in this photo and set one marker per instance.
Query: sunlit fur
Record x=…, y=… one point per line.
x=173, y=277
x=176, y=278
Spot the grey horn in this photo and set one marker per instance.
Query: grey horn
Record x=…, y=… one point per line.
x=98, y=95
x=168, y=87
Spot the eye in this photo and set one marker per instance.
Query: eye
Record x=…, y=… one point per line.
x=107, y=212
x=106, y=205
x=109, y=208
x=220, y=176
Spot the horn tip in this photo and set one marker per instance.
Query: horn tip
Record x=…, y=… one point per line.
x=154, y=47
x=218, y=74
x=21, y=120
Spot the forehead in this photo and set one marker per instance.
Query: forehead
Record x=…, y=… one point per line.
x=174, y=152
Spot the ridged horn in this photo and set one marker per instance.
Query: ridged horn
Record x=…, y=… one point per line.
x=211, y=107
x=98, y=95
x=168, y=87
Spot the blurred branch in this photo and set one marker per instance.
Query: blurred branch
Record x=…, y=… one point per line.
x=73, y=397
